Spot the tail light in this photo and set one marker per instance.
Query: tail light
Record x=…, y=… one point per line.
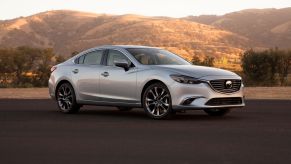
x=53, y=68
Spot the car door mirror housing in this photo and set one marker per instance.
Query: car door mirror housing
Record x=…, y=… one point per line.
x=122, y=63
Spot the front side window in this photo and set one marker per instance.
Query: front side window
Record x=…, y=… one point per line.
x=153, y=56
x=114, y=55
x=92, y=58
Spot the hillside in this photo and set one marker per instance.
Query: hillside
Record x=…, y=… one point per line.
x=267, y=27
x=69, y=31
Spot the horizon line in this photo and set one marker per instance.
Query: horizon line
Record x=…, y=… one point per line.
x=89, y=12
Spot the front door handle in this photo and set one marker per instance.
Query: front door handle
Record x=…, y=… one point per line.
x=75, y=71
x=105, y=74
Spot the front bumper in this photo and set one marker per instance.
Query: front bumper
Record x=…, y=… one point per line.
x=51, y=86
x=201, y=94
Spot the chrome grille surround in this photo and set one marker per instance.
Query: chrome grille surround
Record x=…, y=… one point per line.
x=220, y=85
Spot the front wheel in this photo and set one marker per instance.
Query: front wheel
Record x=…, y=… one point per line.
x=157, y=101
x=217, y=112
x=66, y=99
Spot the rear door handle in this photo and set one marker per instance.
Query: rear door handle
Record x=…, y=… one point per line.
x=105, y=74
x=75, y=71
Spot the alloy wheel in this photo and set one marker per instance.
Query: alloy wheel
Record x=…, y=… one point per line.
x=157, y=101
x=65, y=97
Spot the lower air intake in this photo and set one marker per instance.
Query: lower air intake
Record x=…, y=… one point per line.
x=224, y=101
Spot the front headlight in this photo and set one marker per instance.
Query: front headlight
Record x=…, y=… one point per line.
x=185, y=79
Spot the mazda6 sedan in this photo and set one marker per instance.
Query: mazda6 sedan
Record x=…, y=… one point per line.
x=154, y=79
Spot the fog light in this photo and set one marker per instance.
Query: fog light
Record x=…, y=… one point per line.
x=188, y=100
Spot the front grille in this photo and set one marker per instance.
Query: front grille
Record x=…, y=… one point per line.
x=224, y=101
x=220, y=85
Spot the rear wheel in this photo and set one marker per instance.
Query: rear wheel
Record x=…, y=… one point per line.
x=157, y=101
x=66, y=98
x=217, y=112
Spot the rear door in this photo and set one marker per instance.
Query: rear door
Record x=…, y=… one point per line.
x=86, y=75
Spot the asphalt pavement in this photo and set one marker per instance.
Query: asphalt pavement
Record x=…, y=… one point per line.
x=34, y=132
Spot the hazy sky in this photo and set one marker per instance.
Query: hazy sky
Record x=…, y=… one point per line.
x=173, y=8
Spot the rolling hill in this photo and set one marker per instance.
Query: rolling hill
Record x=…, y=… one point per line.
x=267, y=27
x=223, y=37
x=69, y=31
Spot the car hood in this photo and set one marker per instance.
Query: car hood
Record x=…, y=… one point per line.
x=195, y=71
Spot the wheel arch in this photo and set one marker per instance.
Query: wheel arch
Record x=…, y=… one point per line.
x=60, y=83
x=147, y=84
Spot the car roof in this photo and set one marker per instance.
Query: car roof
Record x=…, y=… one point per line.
x=120, y=47
x=124, y=46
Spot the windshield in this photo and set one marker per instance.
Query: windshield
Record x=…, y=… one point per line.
x=152, y=56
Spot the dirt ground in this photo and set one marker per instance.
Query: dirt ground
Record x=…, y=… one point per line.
x=283, y=93
x=24, y=93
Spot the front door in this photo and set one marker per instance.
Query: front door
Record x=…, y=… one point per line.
x=116, y=84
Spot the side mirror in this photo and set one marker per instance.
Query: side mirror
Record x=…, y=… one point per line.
x=122, y=63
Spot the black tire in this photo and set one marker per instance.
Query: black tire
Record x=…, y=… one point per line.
x=124, y=109
x=157, y=102
x=66, y=99
x=217, y=112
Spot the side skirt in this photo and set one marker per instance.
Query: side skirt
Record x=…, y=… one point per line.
x=106, y=103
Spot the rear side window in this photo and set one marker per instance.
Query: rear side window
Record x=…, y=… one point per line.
x=81, y=59
x=91, y=58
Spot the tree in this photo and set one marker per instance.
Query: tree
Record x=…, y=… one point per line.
x=26, y=66
x=283, y=65
x=59, y=59
x=196, y=60
x=208, y=61
x=24, y=59
x=6, y=66
x=256, y=67
x=273, y=57
x=45, y=63
x=263, y=67
x=74, y=53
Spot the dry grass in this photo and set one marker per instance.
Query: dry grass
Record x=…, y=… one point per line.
x=283, y=93
x=24, y=93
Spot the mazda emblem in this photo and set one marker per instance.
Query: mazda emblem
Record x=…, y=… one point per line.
x=228, y=84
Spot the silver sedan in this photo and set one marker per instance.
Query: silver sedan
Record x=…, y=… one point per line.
x=143, y=77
